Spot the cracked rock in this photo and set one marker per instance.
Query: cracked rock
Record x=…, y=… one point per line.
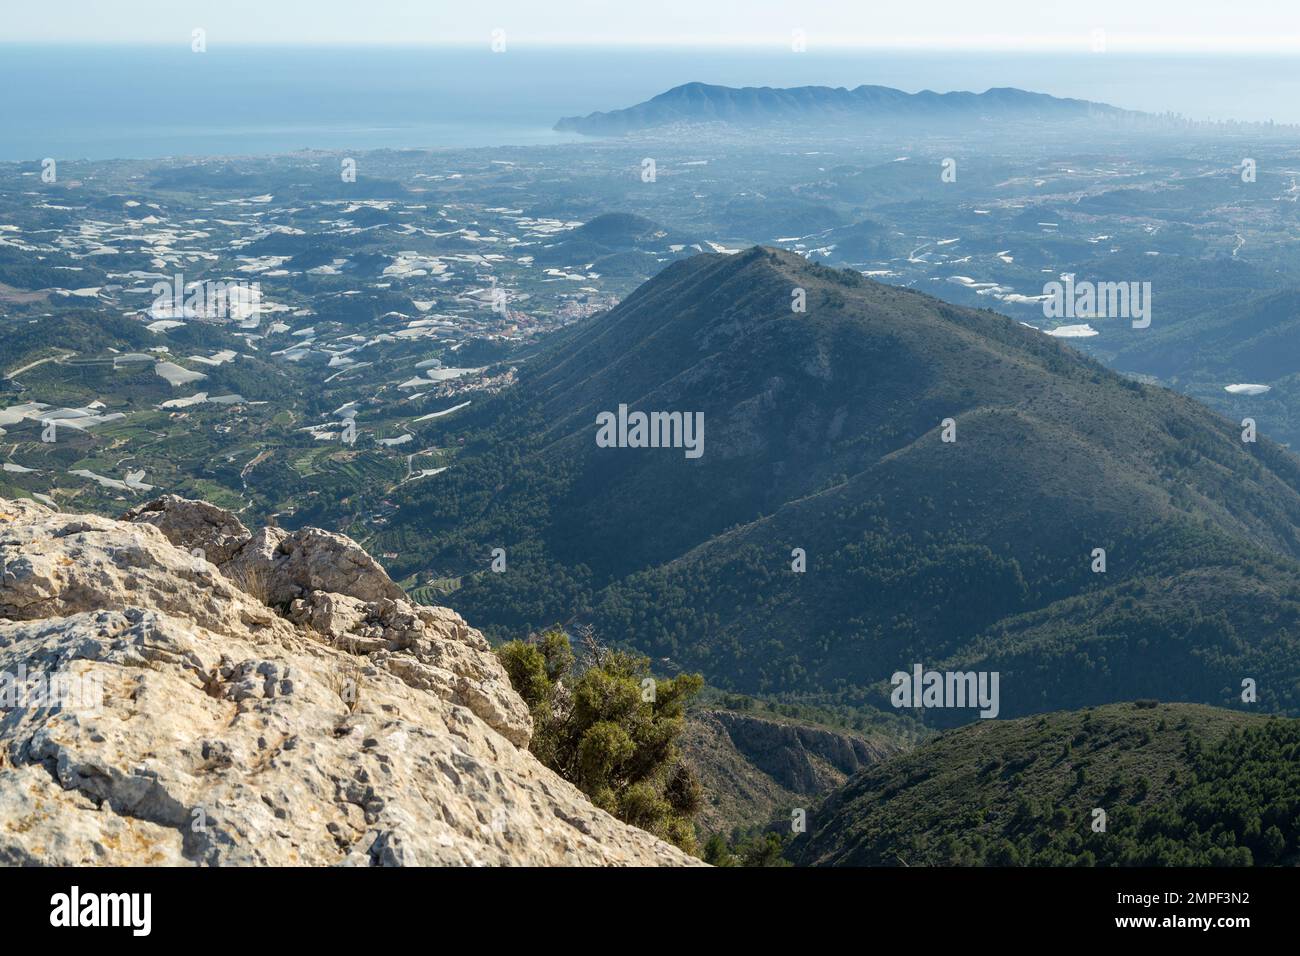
x=278, y=702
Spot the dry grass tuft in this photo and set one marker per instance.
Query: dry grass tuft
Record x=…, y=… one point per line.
x=252, y=581
x=346, y=678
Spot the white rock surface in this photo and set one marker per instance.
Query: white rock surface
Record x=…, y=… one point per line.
x=339, y=725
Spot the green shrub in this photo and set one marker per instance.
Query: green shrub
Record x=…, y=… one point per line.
x=610, y=728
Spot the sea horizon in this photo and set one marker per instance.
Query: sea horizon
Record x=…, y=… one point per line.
x=149, y=101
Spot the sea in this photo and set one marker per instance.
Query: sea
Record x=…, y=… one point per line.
x=139, y=102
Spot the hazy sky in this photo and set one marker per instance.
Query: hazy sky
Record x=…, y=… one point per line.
x=1146, y=25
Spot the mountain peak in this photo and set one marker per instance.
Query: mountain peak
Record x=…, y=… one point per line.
x=698, y=102
x=927, y=458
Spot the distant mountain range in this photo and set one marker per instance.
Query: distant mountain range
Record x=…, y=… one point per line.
x=824, y=434
x=756, y=106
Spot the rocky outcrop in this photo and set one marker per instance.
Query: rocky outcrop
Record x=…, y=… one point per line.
x=756, y=769
x=801, y=758
x=177, y=689
x=203, y=529
x=797, y=756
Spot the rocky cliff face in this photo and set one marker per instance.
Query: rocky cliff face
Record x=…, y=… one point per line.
x=755, y=769
x=177, y=689
x=800, y=758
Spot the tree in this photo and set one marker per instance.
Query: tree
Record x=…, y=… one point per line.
x=717, y=853
x=610, y=728
x=766, y=849
x=1274, y=844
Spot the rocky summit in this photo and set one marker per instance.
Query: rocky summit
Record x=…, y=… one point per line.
x=177, y=689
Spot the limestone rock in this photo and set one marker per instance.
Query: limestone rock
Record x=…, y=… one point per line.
x=328, y=583
x=166, y=716
x=429, y=648
x=291, y=565
x=193, y=525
